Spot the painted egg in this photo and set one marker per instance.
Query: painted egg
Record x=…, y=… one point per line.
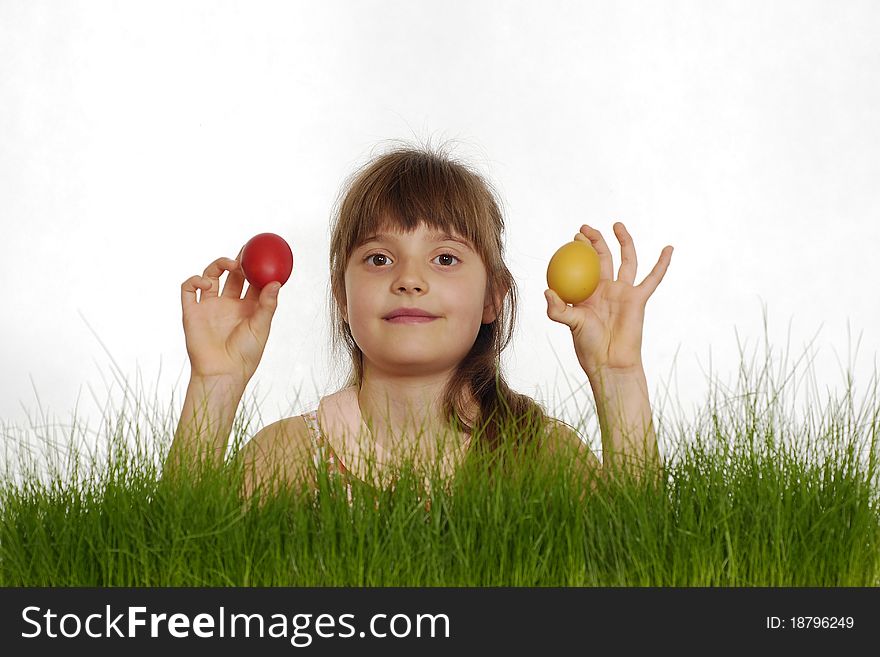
x=265, y=258
x=573, y=272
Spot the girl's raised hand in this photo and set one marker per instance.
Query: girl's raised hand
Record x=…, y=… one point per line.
x=225, y=334
x=607, y=326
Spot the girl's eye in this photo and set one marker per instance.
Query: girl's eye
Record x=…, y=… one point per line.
x=448, y=255
x=370, y=257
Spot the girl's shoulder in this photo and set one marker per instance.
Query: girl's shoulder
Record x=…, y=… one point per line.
x=285, y=435
x=556, y=427
x=277, y=454
x=562, y=437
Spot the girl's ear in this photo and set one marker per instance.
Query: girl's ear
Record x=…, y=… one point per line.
x=492, y=305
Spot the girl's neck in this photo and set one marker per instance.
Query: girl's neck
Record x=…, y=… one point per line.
x=405, y=413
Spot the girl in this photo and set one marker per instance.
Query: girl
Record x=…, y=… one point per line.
x=423, y=304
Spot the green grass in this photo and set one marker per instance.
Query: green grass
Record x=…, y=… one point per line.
x=745, y=500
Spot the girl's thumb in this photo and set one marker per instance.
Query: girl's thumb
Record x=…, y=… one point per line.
x=269, y=295
x=268, y=300
x=261, y=321
x=557, y=309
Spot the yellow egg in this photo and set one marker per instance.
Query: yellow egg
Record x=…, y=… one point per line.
x=573, y=272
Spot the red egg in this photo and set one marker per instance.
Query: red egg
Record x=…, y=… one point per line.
x=265, y=258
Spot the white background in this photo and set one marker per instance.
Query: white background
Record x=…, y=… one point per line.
x=139, y=141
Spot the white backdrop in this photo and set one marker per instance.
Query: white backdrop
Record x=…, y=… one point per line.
x=140, y=141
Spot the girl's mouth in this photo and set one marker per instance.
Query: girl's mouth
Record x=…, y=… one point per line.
x=410, y=319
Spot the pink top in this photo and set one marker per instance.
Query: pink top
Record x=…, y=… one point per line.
x=339, y=434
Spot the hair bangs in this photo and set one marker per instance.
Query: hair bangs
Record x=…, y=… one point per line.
x=405, y=190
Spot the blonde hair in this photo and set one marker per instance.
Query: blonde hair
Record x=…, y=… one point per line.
x=408, y=186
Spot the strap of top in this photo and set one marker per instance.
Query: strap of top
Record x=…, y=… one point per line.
x=323, y=452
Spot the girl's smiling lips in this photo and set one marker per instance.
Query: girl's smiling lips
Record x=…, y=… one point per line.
x=410, y=319
x=409, y=316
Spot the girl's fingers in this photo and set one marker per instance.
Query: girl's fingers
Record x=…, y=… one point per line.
x=188, y=290
x=629, y=263
x=212, y=275
x=606, y=262
x=235, y=280
x=653, y=279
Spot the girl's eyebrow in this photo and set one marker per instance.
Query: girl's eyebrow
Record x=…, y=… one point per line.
x=437, y=237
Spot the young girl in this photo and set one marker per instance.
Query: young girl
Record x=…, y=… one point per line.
x=423, y=304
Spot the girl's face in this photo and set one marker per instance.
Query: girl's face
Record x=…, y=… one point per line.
x=426, y=270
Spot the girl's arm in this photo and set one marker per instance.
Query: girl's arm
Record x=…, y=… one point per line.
x=607, y=332
x=205, y=422
x=225, y=338
x=624, y=410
